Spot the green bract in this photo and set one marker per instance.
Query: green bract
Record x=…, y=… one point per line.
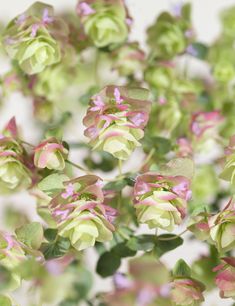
x=106, y=26
x=30, y=38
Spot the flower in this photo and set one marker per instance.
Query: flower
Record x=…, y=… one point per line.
x=11, y=255
x=104, y=21
x=30, y=38
x=199, y=226
x=14, y=175
x=222, y=228
x=166, y=36
x=128, y=59
x=205, y=123
x=50, y=154
x=115, y=120
x=160, y=201
x=223, y=71
x=228, y=173
x=160, y=76
x=80, y=213
x=187, y=292
x=225, y=279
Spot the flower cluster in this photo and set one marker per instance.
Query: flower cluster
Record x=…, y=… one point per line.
x=161, y=201
x=80, y=213
x=225, y=278
x=104, y=21
x=30, y=38
x=229, y=167
x=14, y=173
x=115, y=121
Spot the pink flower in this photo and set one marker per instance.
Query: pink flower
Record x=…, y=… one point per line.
x=84, y=9
x=225, y=279
x=117, y=96
x=204, y=121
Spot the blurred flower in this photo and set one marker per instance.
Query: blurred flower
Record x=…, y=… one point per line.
x=128, y=59
x=115, y=121
x=228, y=173
x=166, y=36
x=160, y=201
x=225, y=279
x=104, y=21
x=30, y=38
x=199, y=226
x=187, y=291
x=11, y=255
x=228, y=22
x=80, y=213
x=223, y=71
x=50, y=154
x=222, y=228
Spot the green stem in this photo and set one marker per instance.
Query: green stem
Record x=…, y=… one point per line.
x=148, y=158
x=174, y=237
x=77, y=166
x=120, y=167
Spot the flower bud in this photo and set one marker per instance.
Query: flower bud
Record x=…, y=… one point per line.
x=225, y=279
x=115, y=120
x=30, y=38
x=80, y=213
x=187, y=292
x=104, y=21
x=222, y=228
x=50, y=154
x=160, y=201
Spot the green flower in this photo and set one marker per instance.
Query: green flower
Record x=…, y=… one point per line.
x=222, y=228
x=30, y=38
x=104, y=22
x=14, y=175
x=223, y=71
x=166, y=37
x=84, y=228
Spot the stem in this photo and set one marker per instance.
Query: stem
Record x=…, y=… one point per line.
x=149, y=156
x=26, y=143
x=120, y=167
x=77, y=166
x=175, y=237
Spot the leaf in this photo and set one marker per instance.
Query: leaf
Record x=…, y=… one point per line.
x=50, y=234
x=52, y=183
x=107, y=264
x=178, y=166
x=116, y=186
x=31, y=234
x=164, y=246
x=123, y=250
x=56, y=249
x=138, y=93
x=181, y=269
x=5, y=300
x=201, y=50
x=160, y=144
x=142, y=243
x=186, y=11
x=83, y=284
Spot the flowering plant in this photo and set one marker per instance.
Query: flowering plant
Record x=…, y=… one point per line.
x=130, y=163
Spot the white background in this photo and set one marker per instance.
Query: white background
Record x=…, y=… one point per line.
x=205, y=18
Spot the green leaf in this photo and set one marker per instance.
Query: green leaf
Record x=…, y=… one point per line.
x=179, y=166
x=164, y=246
x=107, y=264
x=181, y=269
x=52, y=183
x=83, y=284
x=160, y=144
x=142, y=242
x=5, y=301
x=50, y=234
x=123, y=250
x=31, y=234
x=186, y=11
x=116, y=186
x=56, y=249
x=201, y=50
